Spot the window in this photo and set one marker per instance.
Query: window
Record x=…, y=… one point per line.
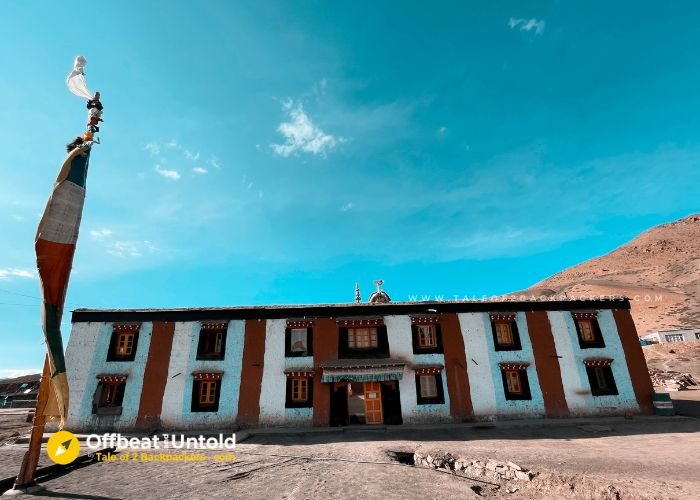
x=207, y=393
x=601, y=380
x=675, y=337
x=300, y=389
x=298, y=342
x=505, y=333
x=515, y=383
x=588, y=330
x=299, y=392
x=359, y=341
x=429, y=387
x=212, y=341
x=112, y=394
x=124, y=341
x=206, y=388
x=427, y=337
x=109, y=395
x=362, y=338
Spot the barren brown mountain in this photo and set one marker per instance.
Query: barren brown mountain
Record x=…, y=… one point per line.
x=659, y=271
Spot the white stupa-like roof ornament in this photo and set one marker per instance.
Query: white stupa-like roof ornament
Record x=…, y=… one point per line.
x=380, y=296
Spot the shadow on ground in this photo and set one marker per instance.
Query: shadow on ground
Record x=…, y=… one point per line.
x=557, y=430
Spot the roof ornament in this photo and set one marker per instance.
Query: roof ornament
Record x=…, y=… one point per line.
x=380, y=296
x=358, y=297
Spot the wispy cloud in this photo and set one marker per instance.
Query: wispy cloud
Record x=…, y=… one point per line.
x=200, y=170
x=100, y=234
x=152, y=148
x=347, y=207
x=12, y=272
x=214, y=162
x=124, y=249
x=527, y=24
x=116, y=245
x=190, y=155
x=301, y=134
x=169, y=174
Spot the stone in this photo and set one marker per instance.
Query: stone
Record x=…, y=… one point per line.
x=491, y=465
x=523, y=476
x=514, y=466
x=429, y=459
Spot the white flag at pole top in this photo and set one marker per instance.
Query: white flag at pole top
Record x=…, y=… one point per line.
x=76, y=79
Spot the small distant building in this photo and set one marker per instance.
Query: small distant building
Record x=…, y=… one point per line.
x=380, y=362
x=684, y=335
x=19, y=392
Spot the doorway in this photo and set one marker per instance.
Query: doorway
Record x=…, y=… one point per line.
x=373, y=403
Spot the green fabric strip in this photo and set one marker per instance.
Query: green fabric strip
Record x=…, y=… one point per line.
x=54, y=342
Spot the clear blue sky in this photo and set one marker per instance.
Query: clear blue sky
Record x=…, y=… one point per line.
x=277, y=152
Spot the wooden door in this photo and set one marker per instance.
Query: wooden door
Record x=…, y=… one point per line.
x=373, y=403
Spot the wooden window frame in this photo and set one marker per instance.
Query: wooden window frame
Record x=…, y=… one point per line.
x=208, y=406
x=596, y=341
x=439, y=397
x=418, y=345
x=207, y=337
x=293, y=397
x=428, y=390
x=345, y=351
x=300, y=390
x=514, y=344
x=127, y=339
x=372, y=333
x=109, y=397
x=508, y=375
x=207, y=392
x=117, y=334
x=289, y=352
x=609, y=388
x=427, y=339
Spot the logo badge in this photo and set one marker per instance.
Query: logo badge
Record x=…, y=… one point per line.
x=63, y=447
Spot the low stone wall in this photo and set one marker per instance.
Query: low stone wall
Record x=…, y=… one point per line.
x=489, y=469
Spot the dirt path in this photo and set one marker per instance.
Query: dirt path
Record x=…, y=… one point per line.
x=640, y=458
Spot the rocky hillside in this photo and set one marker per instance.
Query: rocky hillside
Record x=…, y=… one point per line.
x=659, y=270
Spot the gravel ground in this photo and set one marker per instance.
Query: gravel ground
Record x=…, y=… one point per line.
x=639, y=458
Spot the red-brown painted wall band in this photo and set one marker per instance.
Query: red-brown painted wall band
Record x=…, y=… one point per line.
x=547, y=363
x=325, y=333
x=461, y=407
x=636, y=363
x=251, y=373
x=155, y=375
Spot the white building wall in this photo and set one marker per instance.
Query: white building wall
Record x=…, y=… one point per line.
x=273, y=388
x=174, y=393
x=177, y=401
x=80, y=354
x=479, y=371
x=83, y=418
x=577, y=388
x=401, y=347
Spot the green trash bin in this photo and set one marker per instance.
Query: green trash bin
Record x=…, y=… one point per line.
x=663, y=404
